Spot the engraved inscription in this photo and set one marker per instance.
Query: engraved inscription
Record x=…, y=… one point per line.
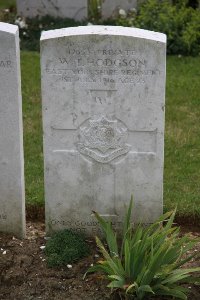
x=102, y=97
x=5, y=64
x=103, y=139
x=102, y=52
x=101, y=66
x=3, y=217
x=82, y=226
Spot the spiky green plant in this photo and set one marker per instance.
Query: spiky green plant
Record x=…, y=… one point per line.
x=149, y=259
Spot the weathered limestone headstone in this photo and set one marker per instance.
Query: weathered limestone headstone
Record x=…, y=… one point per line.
x=103, y=113
x=111, y=7
x=76, y=9
x=12, y=204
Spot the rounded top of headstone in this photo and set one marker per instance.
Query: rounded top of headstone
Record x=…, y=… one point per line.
x=9, y=28
x=104, y=30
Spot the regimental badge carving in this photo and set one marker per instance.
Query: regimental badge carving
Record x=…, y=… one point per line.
x=103, y=139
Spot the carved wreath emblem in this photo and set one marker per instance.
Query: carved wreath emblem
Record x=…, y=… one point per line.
x=103, y=139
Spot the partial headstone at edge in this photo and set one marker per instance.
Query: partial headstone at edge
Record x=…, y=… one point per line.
x=103, y=93
x=76, y=9
x=12, y=195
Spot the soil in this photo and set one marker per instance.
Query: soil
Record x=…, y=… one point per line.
x=24, y=274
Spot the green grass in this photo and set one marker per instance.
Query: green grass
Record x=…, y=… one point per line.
x=32, y=127
x=7, y=3
x=182, y=138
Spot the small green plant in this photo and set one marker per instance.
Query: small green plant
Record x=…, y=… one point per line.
x=65, y=247
x=149, y=260
x=94, y=10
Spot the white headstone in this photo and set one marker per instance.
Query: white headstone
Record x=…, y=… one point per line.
x=103, y=91
x=76, y=9
x=12, y=200
x=111, y=7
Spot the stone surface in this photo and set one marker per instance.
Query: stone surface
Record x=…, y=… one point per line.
x=111, y=7
x=76, y=9
x=103, y=91
x=12, y=205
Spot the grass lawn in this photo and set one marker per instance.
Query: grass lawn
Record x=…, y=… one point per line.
x=7, y=3
x=182, y=138
x=32, y=115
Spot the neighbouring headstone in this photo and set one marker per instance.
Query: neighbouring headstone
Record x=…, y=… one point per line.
x=103, y=91
x=76, y=9
x=110, y=8
x=12, y=199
